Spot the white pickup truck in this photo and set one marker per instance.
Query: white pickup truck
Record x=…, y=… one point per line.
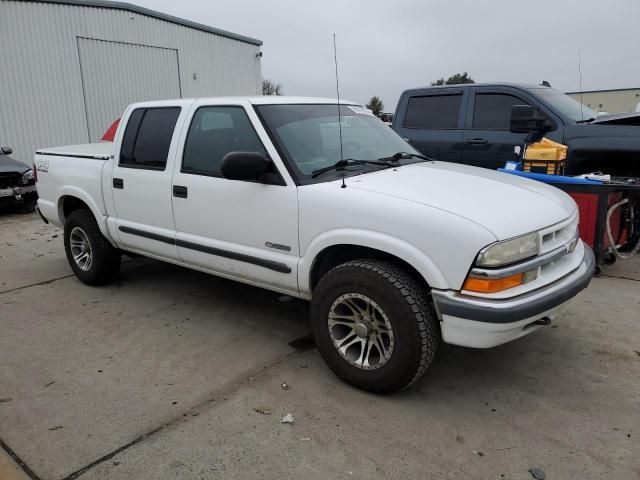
x=394, y=251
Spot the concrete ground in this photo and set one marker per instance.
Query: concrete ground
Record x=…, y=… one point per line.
x=159, y=376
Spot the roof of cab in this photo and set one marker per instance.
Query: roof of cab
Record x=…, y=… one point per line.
x=525, y=86
x=254, y=100
x=271, y=99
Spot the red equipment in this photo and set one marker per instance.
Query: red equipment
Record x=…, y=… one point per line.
x=594, y=202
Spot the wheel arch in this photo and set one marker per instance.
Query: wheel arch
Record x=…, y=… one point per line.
x=323, y=255
x=71, y=199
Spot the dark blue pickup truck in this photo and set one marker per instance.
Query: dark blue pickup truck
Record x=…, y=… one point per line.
x=471, y=124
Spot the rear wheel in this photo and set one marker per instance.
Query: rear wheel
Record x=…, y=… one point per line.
x=92, y=258
x=373, y=325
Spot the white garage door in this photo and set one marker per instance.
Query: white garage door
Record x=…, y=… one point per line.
x=116, y=74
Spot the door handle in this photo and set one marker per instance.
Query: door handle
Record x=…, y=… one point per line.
x=180, y=191
x=118, y=183
x=477, y=141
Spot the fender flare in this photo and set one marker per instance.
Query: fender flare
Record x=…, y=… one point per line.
x=370, y=239
x=99, y=213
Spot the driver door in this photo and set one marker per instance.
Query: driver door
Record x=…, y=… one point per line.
x=488, y=141
x=240, y=229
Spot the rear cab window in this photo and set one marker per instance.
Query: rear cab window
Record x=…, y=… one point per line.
x=433, y=112
x=147, y=138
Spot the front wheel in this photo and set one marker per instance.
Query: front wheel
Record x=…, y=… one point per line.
x=92, y=258
x=373, y=325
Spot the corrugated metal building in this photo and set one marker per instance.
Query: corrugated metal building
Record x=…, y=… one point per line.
x=618, y=100
x=69, y=68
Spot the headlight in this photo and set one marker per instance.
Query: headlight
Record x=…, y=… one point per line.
x=27, y=176
x=509, y=251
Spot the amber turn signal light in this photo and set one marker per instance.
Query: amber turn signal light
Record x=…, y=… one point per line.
x=492, y=285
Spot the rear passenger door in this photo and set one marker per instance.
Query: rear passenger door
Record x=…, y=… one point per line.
x=433, y=123
x=488, y=141
x=141, y=181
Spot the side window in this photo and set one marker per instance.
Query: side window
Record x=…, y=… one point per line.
x=433, y=112
x=492, y=111
x=129, y=138
x=147, y=138
x=214, y=132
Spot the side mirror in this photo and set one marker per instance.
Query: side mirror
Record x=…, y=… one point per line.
x=526, y=119
x=6, y=150
x=247, y=166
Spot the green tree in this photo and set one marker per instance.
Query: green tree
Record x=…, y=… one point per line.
x=454, y=79
x=269, y=87
x=376, y=105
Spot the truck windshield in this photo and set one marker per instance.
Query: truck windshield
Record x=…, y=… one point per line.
x=567, y=106
x=309, y=137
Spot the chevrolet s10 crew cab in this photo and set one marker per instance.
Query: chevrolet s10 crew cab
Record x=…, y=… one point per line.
x=394, y=251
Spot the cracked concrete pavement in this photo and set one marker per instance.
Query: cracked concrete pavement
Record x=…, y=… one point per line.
x=159, y=376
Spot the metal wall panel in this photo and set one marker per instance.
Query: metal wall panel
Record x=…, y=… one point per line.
x=116, y=74
x=611, y=101
x=41, y=94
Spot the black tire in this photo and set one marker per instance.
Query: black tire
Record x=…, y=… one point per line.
x=105, y=259
x=403, y=301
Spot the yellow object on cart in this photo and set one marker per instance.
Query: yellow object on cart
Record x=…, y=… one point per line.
x=545, y=156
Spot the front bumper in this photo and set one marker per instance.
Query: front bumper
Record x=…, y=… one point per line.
x=17, y=192
x=483, y=323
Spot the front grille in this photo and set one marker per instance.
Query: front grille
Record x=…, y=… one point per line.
x=8, y=180
x=558, y=235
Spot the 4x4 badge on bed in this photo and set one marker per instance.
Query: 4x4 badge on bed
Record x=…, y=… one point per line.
x=42, y=165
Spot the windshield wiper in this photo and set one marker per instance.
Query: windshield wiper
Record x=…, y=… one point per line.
x=405, y=155
x=586, y=120
x=347, y=162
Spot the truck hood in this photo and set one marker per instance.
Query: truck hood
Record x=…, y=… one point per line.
x=11, y=165
x=506, y=205
x=618, y=119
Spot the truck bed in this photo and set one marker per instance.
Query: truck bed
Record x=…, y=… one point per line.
x=75, y=170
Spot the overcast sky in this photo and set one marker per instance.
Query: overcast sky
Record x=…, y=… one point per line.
x=386, y=46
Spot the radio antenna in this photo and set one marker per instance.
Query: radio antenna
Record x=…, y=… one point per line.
x=580, y=87
x=335, y=60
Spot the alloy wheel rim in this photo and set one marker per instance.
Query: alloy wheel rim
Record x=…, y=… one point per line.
x=80, y=249
x=360, y=331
